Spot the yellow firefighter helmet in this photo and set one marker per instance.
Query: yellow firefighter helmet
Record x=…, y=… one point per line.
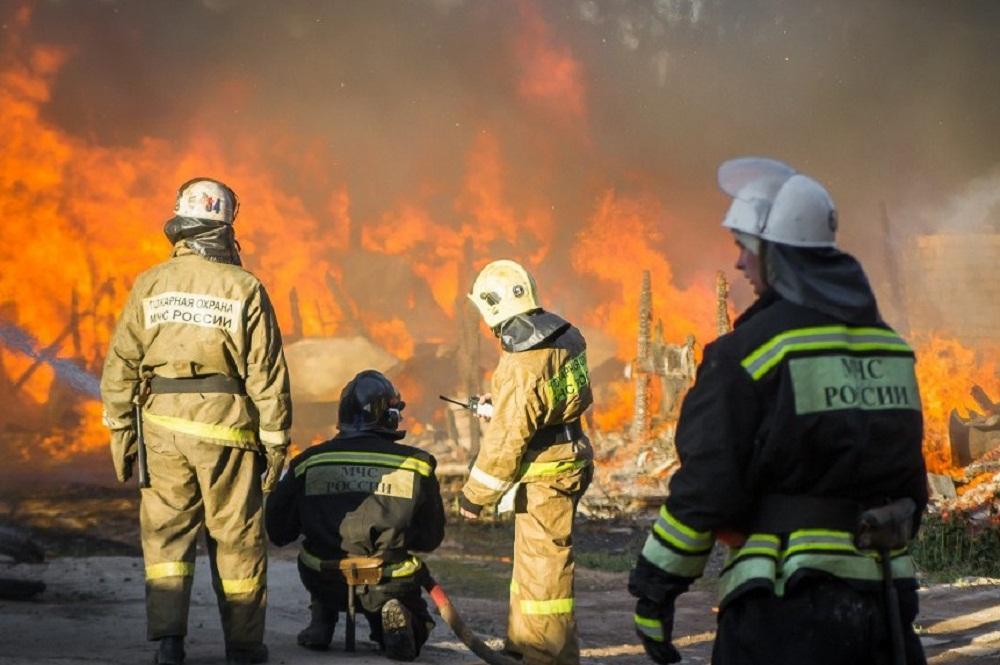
x=502, y=290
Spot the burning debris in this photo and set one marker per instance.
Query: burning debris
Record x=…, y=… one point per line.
x=977, y=434
x=973, y=488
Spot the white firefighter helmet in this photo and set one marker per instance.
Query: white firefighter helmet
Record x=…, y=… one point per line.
x=503, y=289
x=774, y=203
x=204, y=198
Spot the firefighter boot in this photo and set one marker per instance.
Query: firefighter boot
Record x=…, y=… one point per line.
x=319, y=632
x=246, y=654
x=398, y=639
x=170, y=651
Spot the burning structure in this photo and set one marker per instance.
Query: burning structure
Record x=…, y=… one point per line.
x=376, y=174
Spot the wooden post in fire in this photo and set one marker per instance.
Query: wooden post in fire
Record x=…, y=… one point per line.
x=896, y=279
x=293, y=302
x=640, y=368
x=722, y=323
x=468, y=347
x=74, y=322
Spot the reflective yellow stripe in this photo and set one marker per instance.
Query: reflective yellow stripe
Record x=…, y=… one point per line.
x=513, y=586
x=404, y=568
x=542, y=469
x=558, y=606
x=240, y=586
x=169, y=569
x=772, y=352
x=375, y=459
x=649, y=623
x=201, y=430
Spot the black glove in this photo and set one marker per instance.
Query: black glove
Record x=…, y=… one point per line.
x=654, y=624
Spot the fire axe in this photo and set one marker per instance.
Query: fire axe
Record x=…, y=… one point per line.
x=885, y=529
x=140, y=438
x=479, y=409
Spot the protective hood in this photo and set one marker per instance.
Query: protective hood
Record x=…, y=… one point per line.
x=823, y=279
x=213, y=240
x=531, y=329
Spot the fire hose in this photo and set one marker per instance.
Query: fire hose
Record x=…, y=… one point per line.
x=462, y=631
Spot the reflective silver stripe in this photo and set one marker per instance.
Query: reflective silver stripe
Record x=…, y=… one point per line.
x=774, y=350
x=309, y=560
x=492, y=482
x=820, y=539
x=114, y=423
x=651, y=628
x=825, y=550
x=744, y=570
x=278, y=438
x=664, y=558
x=375, y=459
x=681, y=535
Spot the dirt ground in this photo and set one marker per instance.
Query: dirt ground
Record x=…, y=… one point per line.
x=93, y=610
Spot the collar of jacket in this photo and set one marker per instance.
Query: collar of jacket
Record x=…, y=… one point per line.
x=768, y=298
x=529, y=330
x=394, y=435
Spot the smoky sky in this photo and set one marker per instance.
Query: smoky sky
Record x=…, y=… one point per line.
x=894, y=101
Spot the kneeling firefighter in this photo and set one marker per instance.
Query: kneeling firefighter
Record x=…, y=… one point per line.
x=803, y=422
x=366, y=500
x=535, y=447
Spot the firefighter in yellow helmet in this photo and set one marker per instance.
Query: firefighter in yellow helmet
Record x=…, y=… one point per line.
x=535, y=447
x=198, y=348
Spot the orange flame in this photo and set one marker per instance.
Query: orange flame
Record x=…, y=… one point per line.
x=947, y=371
x=86, y=220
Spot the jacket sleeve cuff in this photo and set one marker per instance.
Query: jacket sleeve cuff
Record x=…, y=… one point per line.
x=465, y=504
x=278, y=438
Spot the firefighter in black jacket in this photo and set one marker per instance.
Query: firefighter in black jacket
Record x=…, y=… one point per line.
x=364, y=494
x=801, y=418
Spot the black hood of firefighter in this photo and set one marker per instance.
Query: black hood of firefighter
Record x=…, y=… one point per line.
x=528, y=330
x=823, y=279
x=216, y=241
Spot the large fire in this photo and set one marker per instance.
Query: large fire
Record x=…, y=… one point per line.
x=82, y=219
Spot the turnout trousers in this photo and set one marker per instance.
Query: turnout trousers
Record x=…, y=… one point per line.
x=193, y=484
x=821, y=621
x=541, y=626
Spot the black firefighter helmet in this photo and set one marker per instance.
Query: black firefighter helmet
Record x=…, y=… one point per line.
x=369, y=402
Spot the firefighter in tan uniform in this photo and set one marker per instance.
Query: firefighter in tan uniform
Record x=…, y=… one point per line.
x=535, y=447
x=198, y=347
